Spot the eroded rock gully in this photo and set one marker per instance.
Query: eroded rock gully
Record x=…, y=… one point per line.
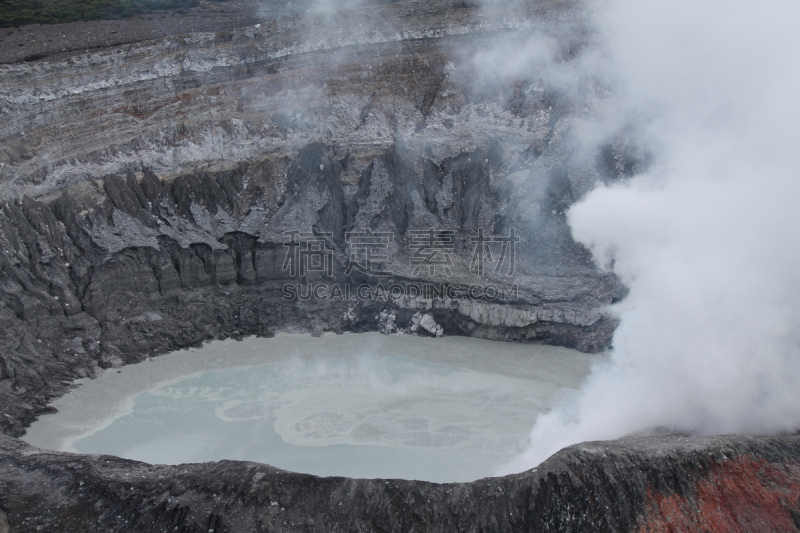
x=148, y=194
x=121, y=268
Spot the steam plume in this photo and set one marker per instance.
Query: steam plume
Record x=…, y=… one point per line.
x=708, y=237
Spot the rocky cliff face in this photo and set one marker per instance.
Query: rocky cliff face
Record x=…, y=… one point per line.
x=117, y=269
x=209, y=185
x=165, y=193
x=643, y=484
x=359, y=82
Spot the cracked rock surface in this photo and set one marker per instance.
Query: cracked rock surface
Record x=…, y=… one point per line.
x=147, y=192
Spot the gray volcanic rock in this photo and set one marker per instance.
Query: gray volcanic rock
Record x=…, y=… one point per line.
x=151, y=198
x=715, y=484
x=359, y=81
x=86, y=272
x=164, y=178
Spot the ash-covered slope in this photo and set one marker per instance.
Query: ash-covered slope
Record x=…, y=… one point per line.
x=357, y=81
x=720, y=484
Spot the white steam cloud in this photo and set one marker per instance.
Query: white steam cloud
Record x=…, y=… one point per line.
x=708, y=237
x=334, y=6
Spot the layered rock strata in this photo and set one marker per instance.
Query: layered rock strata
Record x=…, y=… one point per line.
x=152, y=191
x=150, y=195
x=121, y=268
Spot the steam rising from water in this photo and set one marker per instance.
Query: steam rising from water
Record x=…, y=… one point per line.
x=350, y=405
x=707, y=238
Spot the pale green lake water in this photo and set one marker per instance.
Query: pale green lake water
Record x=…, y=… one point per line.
x=372, y=414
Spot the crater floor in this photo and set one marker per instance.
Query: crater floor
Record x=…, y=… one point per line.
x=358, y=405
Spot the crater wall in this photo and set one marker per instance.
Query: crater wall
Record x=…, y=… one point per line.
x=148, y=190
